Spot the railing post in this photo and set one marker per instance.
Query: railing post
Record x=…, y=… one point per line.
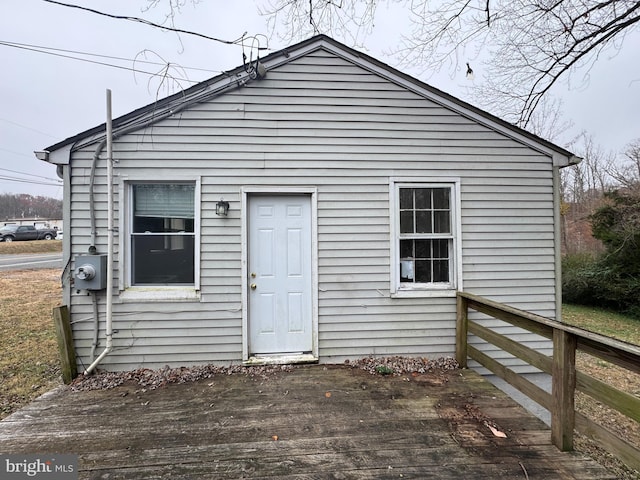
x=563, y=389
x=66, y=349
x=462, y=326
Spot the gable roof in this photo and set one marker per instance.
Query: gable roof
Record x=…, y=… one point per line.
x=240, y=76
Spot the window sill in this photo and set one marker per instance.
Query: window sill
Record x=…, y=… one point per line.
x=444, y=293
x=159, y=294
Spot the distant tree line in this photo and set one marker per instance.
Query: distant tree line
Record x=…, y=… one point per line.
x=27, y=206
x=601, y=222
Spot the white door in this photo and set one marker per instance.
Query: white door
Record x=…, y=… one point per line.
x=279, y=270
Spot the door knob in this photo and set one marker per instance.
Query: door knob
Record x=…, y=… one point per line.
x=253, y=286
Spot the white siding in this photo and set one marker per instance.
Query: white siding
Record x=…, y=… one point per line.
x=322, y=121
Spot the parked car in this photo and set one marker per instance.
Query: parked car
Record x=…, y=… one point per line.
x=10, y=233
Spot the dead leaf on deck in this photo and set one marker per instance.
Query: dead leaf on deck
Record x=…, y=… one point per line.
x=274, y=438
x=496, y=432
x=328, y=394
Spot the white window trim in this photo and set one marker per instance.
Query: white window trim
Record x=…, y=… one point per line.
x=154, y=293
x=424, y=290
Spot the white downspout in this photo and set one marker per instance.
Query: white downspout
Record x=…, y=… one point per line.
x=109, y=293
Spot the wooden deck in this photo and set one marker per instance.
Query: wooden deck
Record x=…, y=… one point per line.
x=316, y=422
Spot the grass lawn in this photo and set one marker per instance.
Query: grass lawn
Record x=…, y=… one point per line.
x=607, y=323
x=34, y=246
x=29, y=364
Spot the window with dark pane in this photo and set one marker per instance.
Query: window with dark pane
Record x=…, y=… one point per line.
x=163, y=234
x=425, y=210
x=425, y=234
x=424, y=261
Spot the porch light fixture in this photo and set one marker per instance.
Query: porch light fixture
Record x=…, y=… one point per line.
x=222, y=208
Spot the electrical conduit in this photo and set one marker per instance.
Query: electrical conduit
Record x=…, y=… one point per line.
x=203, y=96
x=110, y=215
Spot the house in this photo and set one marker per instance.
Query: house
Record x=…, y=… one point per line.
x=317, y=205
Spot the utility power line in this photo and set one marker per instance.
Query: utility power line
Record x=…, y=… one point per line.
x=32, y=182
x=24, y=126
x=153, y=74
x=98, y=55
x=13, y=152
x=31, y=175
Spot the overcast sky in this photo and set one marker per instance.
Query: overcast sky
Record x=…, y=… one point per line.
x=46, y=98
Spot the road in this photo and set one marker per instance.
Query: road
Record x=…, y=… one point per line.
x=30, y=261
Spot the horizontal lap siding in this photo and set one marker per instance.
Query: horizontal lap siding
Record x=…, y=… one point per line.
x=322, y=121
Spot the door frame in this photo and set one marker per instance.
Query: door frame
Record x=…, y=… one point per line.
x=245, y=193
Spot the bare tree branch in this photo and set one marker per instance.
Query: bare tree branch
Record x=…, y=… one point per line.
x=488, y=15
x=350, y=20
x=627, y=172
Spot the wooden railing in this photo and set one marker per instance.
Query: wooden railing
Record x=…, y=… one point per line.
x=562, y=367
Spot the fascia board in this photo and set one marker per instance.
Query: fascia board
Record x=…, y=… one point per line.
x=60, y=156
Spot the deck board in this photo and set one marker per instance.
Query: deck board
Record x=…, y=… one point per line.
x=430, y=426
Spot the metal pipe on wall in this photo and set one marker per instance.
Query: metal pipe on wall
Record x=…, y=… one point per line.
x=110, y=215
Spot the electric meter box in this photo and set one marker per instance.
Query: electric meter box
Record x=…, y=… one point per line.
x=91, y=272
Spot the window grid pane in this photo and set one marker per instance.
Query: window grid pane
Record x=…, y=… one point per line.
x=424, y=261
x=406, y=222
x=425, y=210
x=425, y=216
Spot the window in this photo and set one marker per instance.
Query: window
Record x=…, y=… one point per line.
x=424, y=246
x=163, y=234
